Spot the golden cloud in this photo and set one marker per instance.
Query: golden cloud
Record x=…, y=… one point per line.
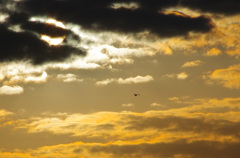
x=4, y=113
x=207, y=123
x=213, y=52
x=182, y=76
x=229, y=77
x=192, y=63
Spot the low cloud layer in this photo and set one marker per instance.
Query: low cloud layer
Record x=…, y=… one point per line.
x=175, y=132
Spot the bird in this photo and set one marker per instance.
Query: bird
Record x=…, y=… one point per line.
x=135, y=94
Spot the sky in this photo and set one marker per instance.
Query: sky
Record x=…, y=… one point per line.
x=69, y=70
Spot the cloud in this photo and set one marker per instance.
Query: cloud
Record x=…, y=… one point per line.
x=195, y=125
x=129, y=5
x=229, y=77
x=8, y=90
x=182, y=76
x=192, y=63
x=12, y=73
x=26, y=78
x=222, y=7
x=213, y=52
x=4, y=113
x=135, y=80
x=169, y=76
x=128, y=105
x=27, y=46
x=68, y=78
x=206, y=124
x=155, y=104
x=180, y=149
x=103, y=17
x=130, y=80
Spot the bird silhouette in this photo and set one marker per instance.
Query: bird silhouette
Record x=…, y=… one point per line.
x=135, y=94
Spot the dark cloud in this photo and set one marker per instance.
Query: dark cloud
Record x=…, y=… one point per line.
x=22, y=19
x=46, y=29
x=97, y=15
x=197, y=149
x=180, y=124
x=227, y=7
x=27, y=46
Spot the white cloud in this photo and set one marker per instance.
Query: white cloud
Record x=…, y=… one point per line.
x=138, y=79
x=182, y=76
x=105, y=82
x=68, y=78
x=192, y=63
x=130, y=80
x=130, y=5
x=8, y=90
x=36, y=79
x=3, y=17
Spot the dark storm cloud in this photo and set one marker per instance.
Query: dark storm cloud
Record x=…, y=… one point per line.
x=227, y=7
x=27, y=46
x=219, y=6
x=46, y=29
x=97, y=15
x=197, y=149
x=35, y=26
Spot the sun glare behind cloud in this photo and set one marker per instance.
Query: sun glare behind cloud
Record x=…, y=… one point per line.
x=53, y=40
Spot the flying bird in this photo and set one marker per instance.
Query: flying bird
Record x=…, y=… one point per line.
x=135, y=94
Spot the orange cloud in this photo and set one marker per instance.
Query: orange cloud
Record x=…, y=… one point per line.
x=206, y=123
x=192, y=63
x=229, y=77
x=213, y=52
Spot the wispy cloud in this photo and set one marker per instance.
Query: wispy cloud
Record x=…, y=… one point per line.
x=69, y=78
x=180, y=76
x=199, y=122
x=4, y=113
x=192, y=63
x=156, y=104
x=130, y=80
x=128, y=105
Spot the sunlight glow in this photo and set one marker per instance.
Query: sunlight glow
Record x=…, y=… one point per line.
x=51, y=40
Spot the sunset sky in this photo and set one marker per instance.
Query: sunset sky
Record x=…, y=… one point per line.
x=69, y=70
